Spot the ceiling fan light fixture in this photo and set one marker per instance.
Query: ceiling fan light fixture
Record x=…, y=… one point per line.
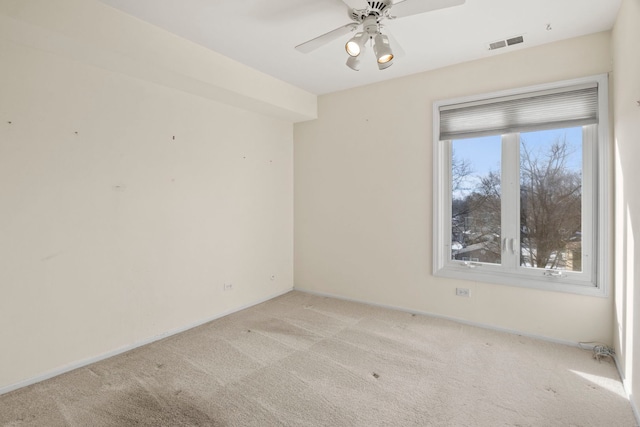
x=385, y=65
x=382, y=49
x=369, y=20
x=353, y=62
x=355, y=44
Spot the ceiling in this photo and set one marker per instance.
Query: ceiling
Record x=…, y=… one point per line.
x=262, y=34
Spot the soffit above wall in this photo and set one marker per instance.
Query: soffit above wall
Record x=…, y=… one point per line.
x=91, y=32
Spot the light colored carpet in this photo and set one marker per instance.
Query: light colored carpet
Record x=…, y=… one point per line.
x=304, y=360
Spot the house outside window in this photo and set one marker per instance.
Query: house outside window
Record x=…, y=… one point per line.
x=520, y=181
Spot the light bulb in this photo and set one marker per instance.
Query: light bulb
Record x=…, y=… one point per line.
x=355, y=45
x=352, y=48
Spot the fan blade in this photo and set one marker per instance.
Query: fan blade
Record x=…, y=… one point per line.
x=315, y=43
x=286, y=10
x=355, y=4
x=404, y=8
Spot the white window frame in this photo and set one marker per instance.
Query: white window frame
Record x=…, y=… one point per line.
x=596, y=169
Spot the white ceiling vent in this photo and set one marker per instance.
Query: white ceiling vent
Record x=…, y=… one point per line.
x=497, y=45
x=504, y=43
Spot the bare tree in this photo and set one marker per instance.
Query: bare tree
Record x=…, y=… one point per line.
x=550, y=207
x=550, y=204
x=460, y=171
x=476, y=210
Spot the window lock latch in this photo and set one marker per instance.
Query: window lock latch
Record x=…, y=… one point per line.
x=553, y=273
x=470, y=264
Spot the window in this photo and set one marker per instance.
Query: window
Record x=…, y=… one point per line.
x=519, y=187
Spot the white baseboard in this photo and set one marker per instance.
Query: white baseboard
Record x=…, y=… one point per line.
x=634, y=408
x=627, y=388
x=440, y=316
x=124, y=349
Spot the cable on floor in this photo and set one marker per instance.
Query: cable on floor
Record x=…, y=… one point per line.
x=599, y=350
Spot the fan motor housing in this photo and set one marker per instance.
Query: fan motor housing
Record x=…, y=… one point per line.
x=375, y=8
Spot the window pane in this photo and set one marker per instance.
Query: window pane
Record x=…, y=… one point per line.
x=476, y=204
x=551, y=199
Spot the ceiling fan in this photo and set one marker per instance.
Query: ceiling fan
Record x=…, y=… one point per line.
x=370, y=18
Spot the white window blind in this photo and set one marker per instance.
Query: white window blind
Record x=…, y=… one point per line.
x=549, y=109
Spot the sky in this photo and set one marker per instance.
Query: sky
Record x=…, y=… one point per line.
x=483, y=153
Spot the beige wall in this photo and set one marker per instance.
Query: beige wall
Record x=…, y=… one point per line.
x=112, y=232
x=363, y=196
x=626, y=36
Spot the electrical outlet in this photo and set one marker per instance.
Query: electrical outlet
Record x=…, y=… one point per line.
x=227, y=287
x=463, y=292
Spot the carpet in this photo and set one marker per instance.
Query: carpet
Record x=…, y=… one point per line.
x=306, y=360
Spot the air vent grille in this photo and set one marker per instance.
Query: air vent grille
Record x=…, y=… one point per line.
x=504, y=43
x=515, y=40
x=497, y=45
